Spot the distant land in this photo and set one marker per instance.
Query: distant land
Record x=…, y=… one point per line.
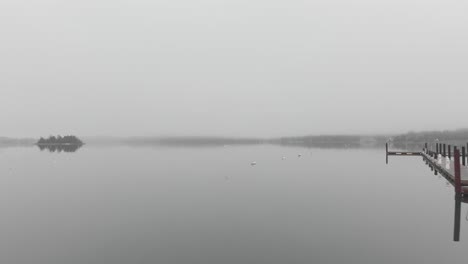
x=59, y=140
x=16, y=142
x=415, y=140
x=58, y=143
x=323, y=141
x=410, y=140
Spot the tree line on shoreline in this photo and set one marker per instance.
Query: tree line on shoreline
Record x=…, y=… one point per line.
x=59, y=140
x=323, y=141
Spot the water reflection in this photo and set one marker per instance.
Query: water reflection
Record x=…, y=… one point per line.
x=457, y=208
x=458, y=199
x=457, y=217
x=59, y=148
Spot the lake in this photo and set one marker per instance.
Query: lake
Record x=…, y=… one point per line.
x=138, y=205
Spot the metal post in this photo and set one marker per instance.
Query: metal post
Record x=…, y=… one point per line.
x=458, y=189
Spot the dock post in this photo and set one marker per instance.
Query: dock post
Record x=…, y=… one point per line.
x=445, y=148
x=386, y=152
x=458, y=189
x=449, y=152
x=437, y=148
x=457, y=216
x=463, y=156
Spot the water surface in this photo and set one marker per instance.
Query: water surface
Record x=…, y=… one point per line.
x=112, y=205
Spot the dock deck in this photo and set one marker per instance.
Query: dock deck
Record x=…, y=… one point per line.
x=451, y=165
x=446, y=167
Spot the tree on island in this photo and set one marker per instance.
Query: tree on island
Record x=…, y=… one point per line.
x=59, y=140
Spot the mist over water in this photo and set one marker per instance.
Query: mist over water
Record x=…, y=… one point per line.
x=229, y=131
x=252, y=68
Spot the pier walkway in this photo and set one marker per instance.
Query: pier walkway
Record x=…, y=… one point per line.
x=452, y=165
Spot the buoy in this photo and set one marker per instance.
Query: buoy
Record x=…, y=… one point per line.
x=300, y=155
x=253, y=163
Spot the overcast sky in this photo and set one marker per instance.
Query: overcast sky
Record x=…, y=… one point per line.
x=232, y=67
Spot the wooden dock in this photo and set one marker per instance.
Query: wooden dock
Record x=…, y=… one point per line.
x=449, y=162
x=399, y=153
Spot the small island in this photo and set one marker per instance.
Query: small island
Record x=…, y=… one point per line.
x=59, y=143
x=59, y=140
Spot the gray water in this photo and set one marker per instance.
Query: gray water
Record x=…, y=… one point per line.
x=112, y=205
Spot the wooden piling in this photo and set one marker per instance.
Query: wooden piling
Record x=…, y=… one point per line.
x=458, y=187
x=437, y=148
x=463, y=156
x=457, y=217
x=445, y=148
x=386, y=152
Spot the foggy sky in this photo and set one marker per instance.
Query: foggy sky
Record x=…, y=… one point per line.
x=232, y=67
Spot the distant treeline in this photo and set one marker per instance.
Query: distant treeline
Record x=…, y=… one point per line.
x=192, y=141
x=429, y=136
x=12, y=142
x=59, y=140
x=334, y=141
x=410, y=140
x=415, y=140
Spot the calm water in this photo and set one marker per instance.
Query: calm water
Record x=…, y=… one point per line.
x=127, y=205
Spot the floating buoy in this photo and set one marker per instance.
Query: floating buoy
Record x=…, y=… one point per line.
x=300, y=155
